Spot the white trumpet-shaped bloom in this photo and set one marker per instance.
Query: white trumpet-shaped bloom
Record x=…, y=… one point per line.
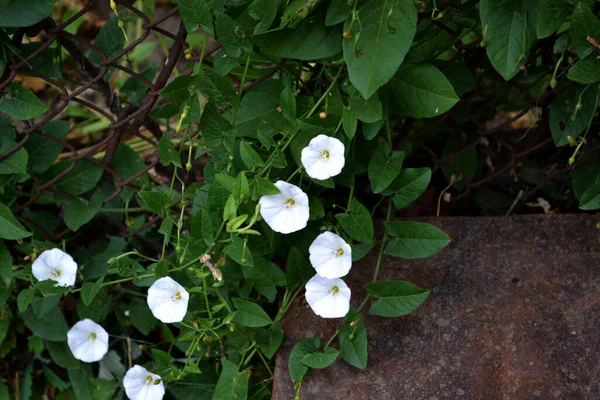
x=330, y=255
x=323, y=157
x=140, y=384
x=56, y=265
x=168, y=300
x=328, y=298
x=285, y=212
x=88, y=341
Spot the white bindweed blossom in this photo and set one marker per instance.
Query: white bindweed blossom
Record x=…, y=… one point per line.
x=88, y=341
x=168, y=300
x=330, y=255
x=56, y=265
x=323, y=157
x=285, y=212
x=140, y=384
x=328, y=298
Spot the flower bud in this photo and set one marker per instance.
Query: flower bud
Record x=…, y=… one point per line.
x=207, y=339
x=571, y=140
x=322, y=115
x=347, y=35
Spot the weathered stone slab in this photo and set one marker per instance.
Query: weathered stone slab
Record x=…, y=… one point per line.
x=514, y=313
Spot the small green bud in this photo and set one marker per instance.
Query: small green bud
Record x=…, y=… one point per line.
x=351, y=336
x=188, y=166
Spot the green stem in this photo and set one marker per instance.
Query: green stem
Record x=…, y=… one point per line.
x=206, y=297
x=240, y=92
x=327, y=91
x=265, y=363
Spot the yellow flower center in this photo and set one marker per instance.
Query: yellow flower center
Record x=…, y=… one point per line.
x=176, y=296
x=56, y=273
x=93, y=336
x=289, y=203
x=335, y=290
x=340, y=252
x=149, y=379
x=325, y=154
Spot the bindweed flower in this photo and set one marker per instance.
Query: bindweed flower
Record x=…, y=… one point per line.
x=323, y=157
x=216, y=272
x=56, y=265
x=330, y=255
x=88, y=341
x=328, y=298
x=285, y=212
x=168, y=300
x=140, y=384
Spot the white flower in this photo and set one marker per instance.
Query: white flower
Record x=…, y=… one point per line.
x=57, y=265
x=323, y=157
x=285, y=212
x=328, y=298
x=168, y=300
x=88, y=341
x=330, y=255
x=142, y=385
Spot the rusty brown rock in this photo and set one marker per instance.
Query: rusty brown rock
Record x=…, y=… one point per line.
x=514, y=313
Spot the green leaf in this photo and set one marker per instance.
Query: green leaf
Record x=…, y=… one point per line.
x=19, y=102
x=162, y=269
x=80, y=211
x=44, y=151
x=466, y=163
x=321, y=360
x=10, y=228
x=270, y=339
x=90, y=290
x=196, y=13
x=227, y=181
x=265, y=187
x=422, y=92
x=509, y=33
x=155, y=201
x=234, y=37
x=250, y=314
x=349, y=122
x=387, y=29
x=353, y=341
x=179, y=90
x=371, y=130
x=298, y=270
x=241, y=188
x=52, y=326
x=565, y=119
x=369, y=110
x=304, y=347
x=550, y=16
x=167, y=153
x=81, y=179
x=415, y=239
x=80, y=384
x=395, y=298
x=162, y=357
x=26, y=383
x=24, y=298
x=249, y=156
x=585, y=71
x=583, y=24
x=337, y=12
x=232, y=384
x=591, y=198
x=230, y=211
x=216, y=88
x=110, y=40
x=409, y=185
x=141, y=317
x=311, y=40
x=357, y=222
x=16, y=163
x=61, y=355
x=264, y=11
x=16, y=14
x=384, y=167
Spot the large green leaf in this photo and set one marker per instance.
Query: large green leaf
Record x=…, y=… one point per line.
x=81, y=211
x=81, y=179
x=591, y=198
x=584, y=24
x=270, y=339
x=509, y=33
x=312, y=40
x=379, y=43
x=353, y=341
x=566, y=119
x=320, y=360
x=196, y=13
x=232, y=384
x=421, y=92
x=304, y=347
x=357, y=222
x=550, y=16
x=384, y=167
x=298, y=270
x=215, y=87
x=15, y=13
x=20, y=103
x=110, y=40
x=16, y=163
x=415, y=239
x=44, y=151
x=250, y=314
x=52, y=326
x=585, y=71
x=409, y=185
x=395, y=298
x=10, y=228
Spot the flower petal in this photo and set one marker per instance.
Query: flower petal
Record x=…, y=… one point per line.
x=168, y=300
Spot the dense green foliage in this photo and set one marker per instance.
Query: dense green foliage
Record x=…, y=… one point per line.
x=396, y=81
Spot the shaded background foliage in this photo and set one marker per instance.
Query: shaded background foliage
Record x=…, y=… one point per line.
x=497, y=99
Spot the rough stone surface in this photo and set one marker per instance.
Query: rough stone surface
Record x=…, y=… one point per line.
x=514, y=313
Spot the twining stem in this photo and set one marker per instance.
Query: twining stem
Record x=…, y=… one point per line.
x=240, y=92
